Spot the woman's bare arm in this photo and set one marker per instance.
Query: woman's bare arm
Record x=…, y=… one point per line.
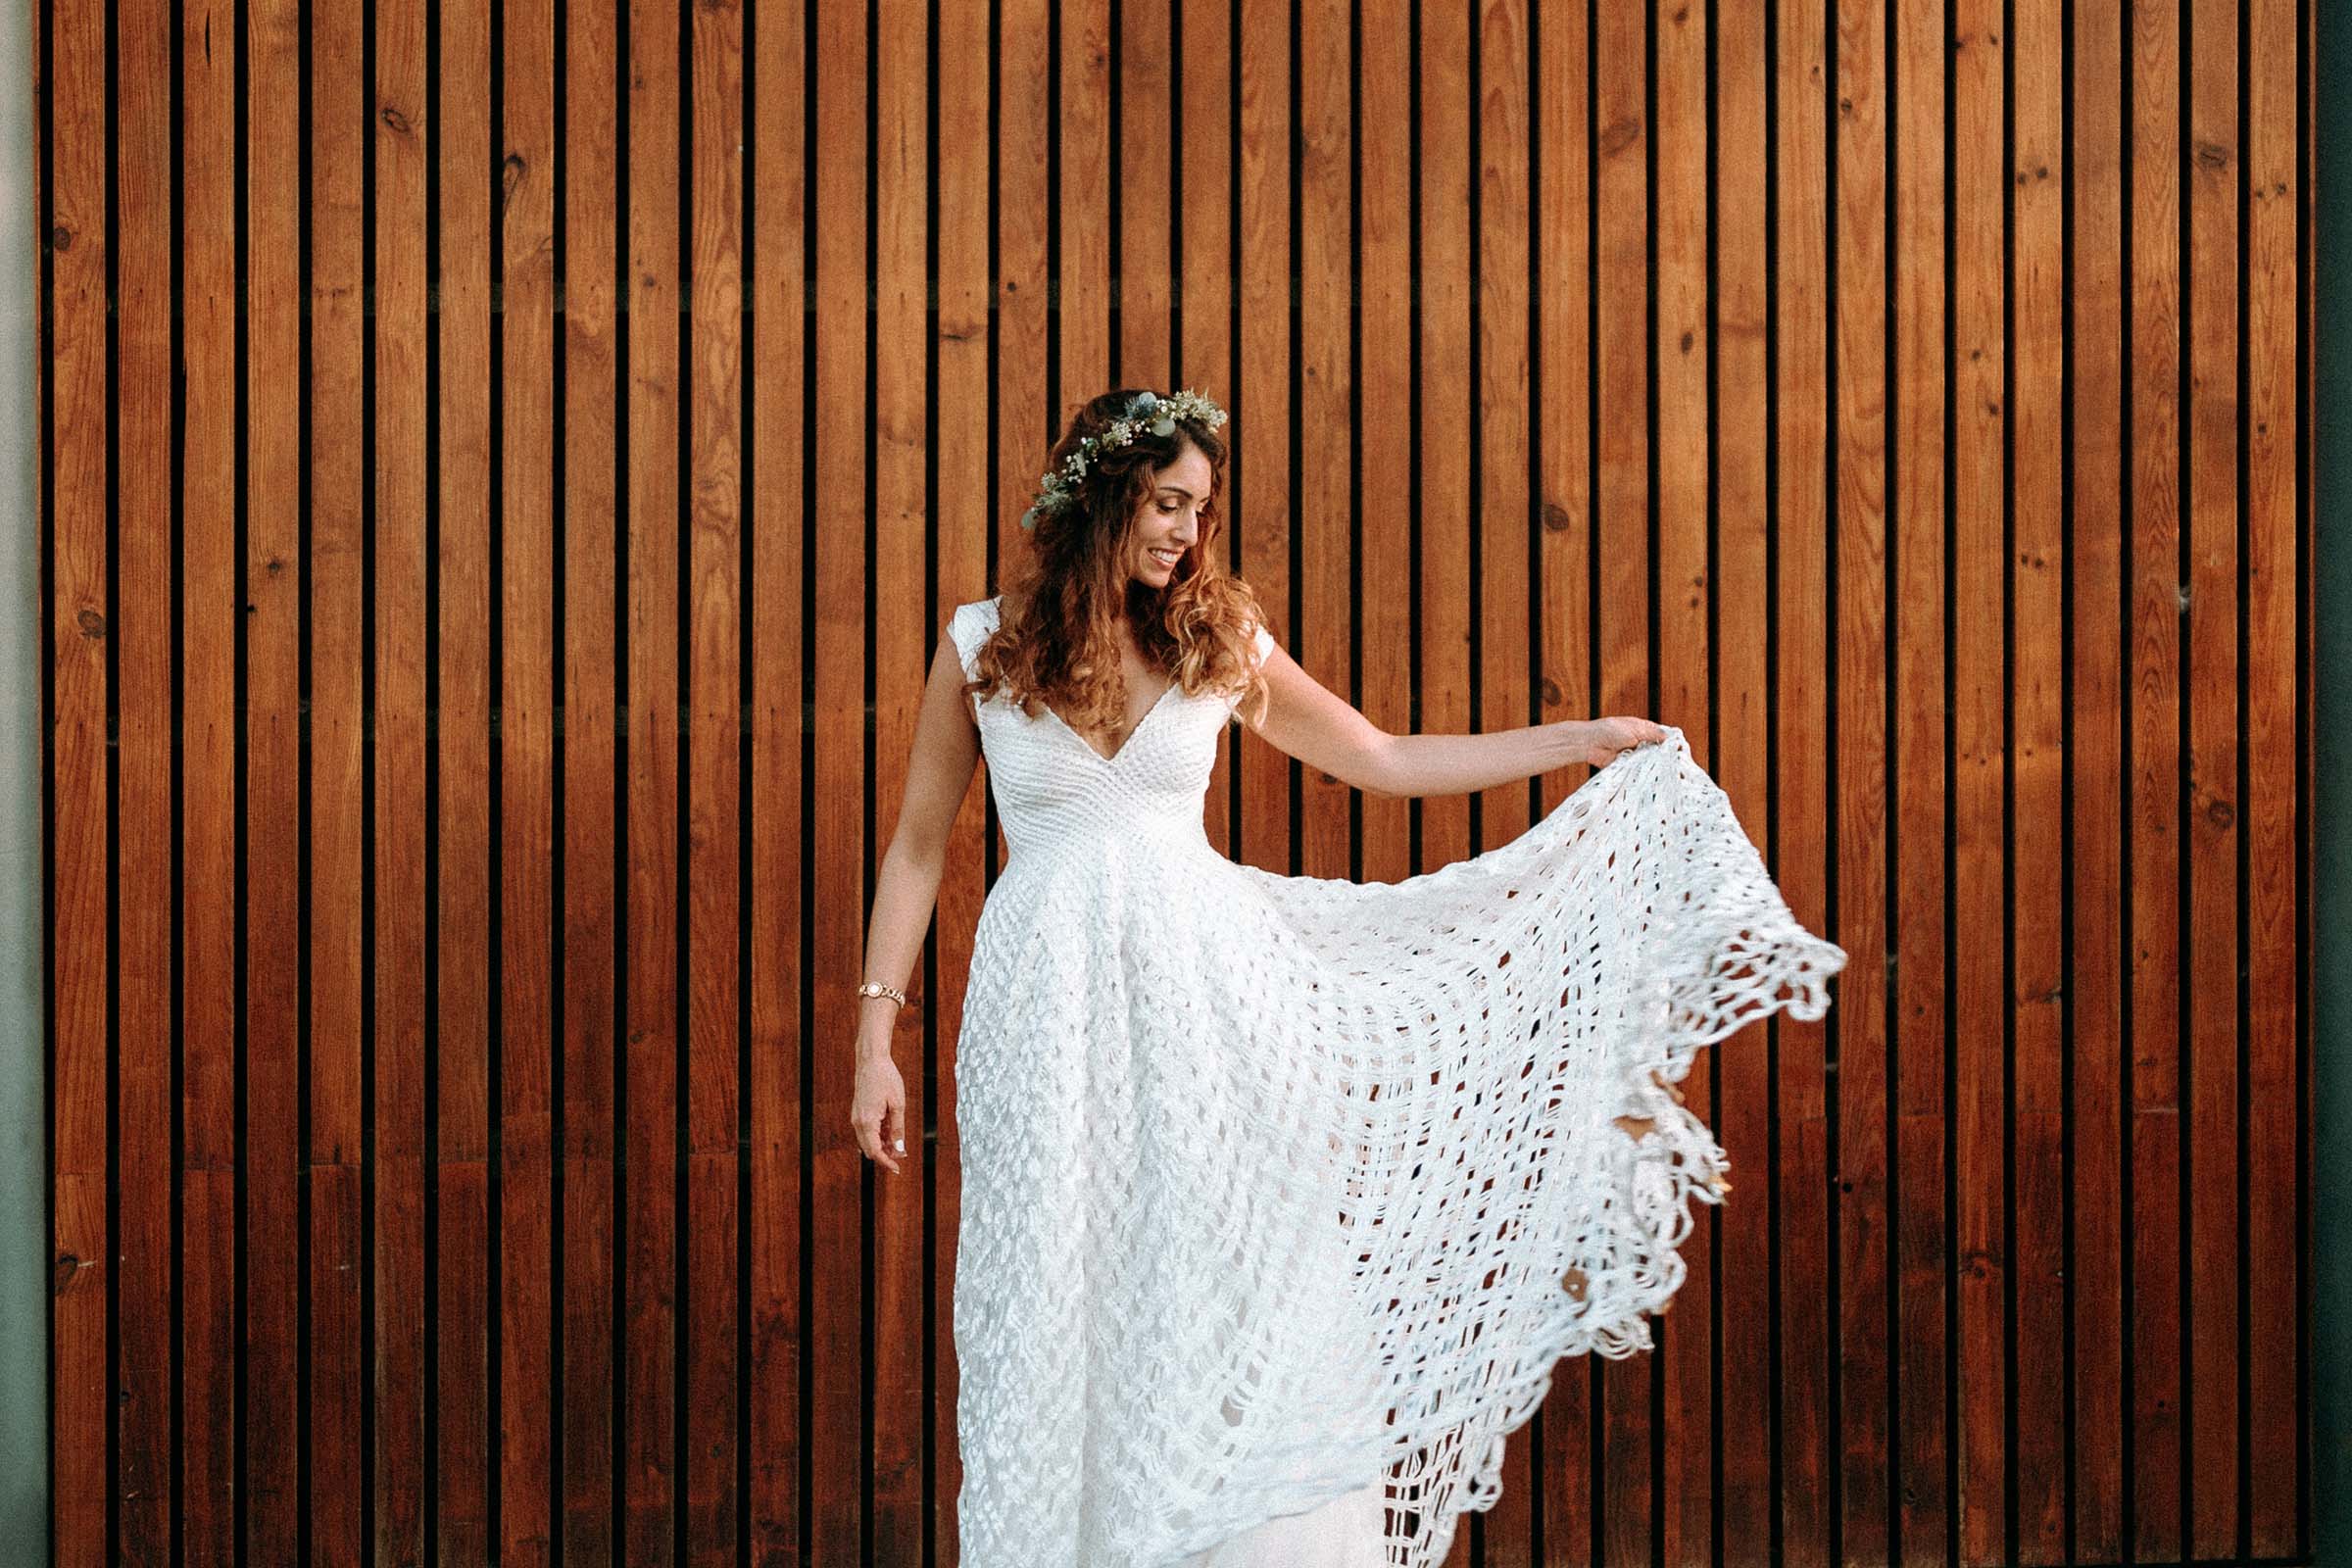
x=939, y=770
x=1322, y=729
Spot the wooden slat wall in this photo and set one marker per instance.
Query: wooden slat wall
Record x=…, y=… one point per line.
x=507, y=464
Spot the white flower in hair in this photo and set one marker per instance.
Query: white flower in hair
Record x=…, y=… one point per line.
x=1061, y=489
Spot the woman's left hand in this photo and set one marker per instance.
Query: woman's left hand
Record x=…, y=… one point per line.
x=1602, y=741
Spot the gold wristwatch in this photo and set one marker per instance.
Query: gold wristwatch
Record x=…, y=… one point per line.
x=875, y=988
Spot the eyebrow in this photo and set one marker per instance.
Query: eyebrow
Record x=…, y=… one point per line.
x=1177, y=488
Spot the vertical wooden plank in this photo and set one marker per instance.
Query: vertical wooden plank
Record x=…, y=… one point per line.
x=337, y=563
x=1680, y=335
x=903, y=645
x=1148, y=193
x=965, y=511
x=1501, y=510
x=2037, y=780
x=1979, y=691
x=777, y=1436
x=592, y=626
x=1325, y=500
x=590, y=941
x=460, y=909
x=1621, y=98
x=145, y=587
x=526, y=752
x=651, y=746
x=1201, y=127
x=2097, y=555
x=714, y=1227
x=1561, y=125
x=1920, y=850
x=838, y=527
x=1861, y=1024
x=273, y=620
x=1732, y=334
x=1446, y=110
x=1081, y=213
x=2154, y=1286
x=208, y=501
x=1263, y=509
x=1806, y=733
x=2270, y=586
x=1383, y=513
x=84, y=1245
x=396, y=573
x=2212, y=1144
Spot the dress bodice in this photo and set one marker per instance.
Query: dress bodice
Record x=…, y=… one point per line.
x=1054, y=788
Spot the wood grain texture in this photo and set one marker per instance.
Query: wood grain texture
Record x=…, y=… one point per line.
x=494, y=452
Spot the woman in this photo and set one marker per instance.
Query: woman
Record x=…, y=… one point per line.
x=1282, y=1195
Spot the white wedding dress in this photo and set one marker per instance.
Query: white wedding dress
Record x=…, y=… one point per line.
x=1283, y=1195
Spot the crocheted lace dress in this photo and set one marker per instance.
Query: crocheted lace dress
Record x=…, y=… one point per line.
x=1283, y=1195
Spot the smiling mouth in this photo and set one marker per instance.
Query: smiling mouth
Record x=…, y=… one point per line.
x=1166, y=558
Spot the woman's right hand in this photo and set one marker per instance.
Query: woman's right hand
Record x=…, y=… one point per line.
x=878, y=1109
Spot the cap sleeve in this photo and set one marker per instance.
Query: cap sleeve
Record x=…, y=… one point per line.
x=970, y=627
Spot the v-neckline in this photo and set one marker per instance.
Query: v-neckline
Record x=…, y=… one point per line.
x=1091, y=750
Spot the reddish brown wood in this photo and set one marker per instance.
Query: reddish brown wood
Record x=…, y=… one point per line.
x=965, y=157
x=1563, y=1423
x=1979, y=420
x=902, y=647
x=528, y=1392
x=1727, y=331
x=653, y=1003
x=711, y=1396
x=777, y=1434
x=272, y=572
x=1202, y=32
x=208, y=569
x=2037, y=761
x=2214, y=172
x=1260, y=472
x=1797, y=419
x=2155, y=1283
x=1449, y=508
x=1383, y=510
x=2272, y=585
x=397, y=570
x=462, y=869
x=2100, y=555
x=1862, y=268
x=1145, y=173
x=590, y=943
x=836, y=1430
x=1326, y=499
x=145, y=662
x=338, y=565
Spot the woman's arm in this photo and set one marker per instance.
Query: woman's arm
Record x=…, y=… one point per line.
x=1309, y=721
x=939, y=770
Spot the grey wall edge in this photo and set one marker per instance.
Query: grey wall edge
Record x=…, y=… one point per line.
x=24, y=1031
x=2331, y=763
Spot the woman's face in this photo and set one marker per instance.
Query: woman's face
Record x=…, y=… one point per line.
x=1169, y=522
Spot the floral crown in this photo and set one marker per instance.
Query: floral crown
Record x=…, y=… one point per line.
x=1146, y=410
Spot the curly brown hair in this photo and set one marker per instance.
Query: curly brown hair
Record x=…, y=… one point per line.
x=1064, y=596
